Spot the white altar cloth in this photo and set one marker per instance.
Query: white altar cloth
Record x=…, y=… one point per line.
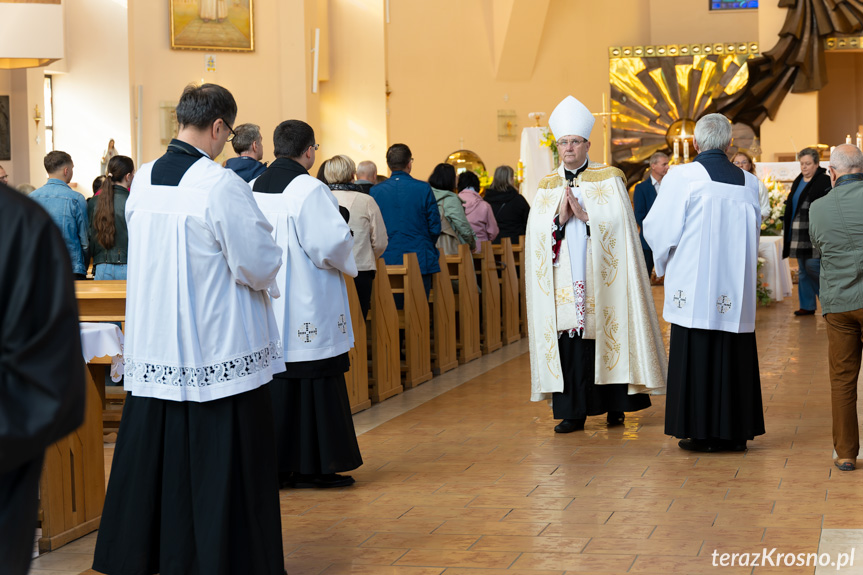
x=776, y=271
x=781, y=171
x=536, y=159
x=101, y=339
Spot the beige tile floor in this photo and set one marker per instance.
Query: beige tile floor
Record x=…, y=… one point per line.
x=464, y=476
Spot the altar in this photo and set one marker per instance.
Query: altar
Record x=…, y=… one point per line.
x=775, y=271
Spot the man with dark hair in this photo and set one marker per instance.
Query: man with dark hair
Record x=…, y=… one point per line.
x=67, y=208
x=194, y=486
x=643, y=198
x=41, y=365
x=315, y=434
x=249, y=146
x=410, y=214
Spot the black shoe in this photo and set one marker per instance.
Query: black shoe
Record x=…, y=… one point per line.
x=569, y=425
x=702, y=445
x=733, y=445
x=615, y=418
x=804, y=312
x=298, y=481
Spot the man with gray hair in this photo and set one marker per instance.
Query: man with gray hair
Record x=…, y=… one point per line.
x=836, y=229
x=249, y=147
x=704, y=230
x=367, y=175
x=643, y=198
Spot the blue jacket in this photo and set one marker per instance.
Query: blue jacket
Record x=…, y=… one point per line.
x=68, y=209
x=246, y=167
x=642, y=199
x=412, y=220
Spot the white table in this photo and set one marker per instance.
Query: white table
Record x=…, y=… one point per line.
x=776, y=271
x=100, y=340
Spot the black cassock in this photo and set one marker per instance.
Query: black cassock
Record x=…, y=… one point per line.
x=41, y=366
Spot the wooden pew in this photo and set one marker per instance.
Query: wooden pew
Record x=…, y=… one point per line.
x=442, y=304
x=383, y=334
x=413, y=320
x=357, y=377
x=460, y=267
x=509, y=298
x=518, y=252
x=489, y=327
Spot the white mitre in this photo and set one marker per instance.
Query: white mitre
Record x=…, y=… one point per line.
x=571, y=118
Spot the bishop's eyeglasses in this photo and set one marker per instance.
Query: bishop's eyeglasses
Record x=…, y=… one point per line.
x=567, y=143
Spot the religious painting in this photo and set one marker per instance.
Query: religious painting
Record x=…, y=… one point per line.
x=733, y=4
x=5, y=134
x=212, y=25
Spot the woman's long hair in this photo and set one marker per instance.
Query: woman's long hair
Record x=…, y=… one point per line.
x=502, y=180
x=103, y=220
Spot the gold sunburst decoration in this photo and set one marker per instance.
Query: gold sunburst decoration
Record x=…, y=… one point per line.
x=652, y=87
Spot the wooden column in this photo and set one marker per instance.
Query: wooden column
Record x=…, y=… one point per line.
x=383, y=330
x=357, y=377
x=489, y=327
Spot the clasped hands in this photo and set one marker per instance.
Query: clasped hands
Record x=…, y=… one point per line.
x=570, y=207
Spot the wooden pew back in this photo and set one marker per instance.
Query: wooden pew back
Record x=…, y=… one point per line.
x=383, y=330
x=443, y=324
x=406, y=279
x=357, y=377
x=519, y=254
x=489, y=299
x=461, y=268
x=509, y=296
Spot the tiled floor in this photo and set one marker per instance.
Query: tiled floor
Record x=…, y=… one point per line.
x=471, y=480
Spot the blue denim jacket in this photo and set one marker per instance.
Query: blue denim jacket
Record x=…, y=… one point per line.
x=68, y=209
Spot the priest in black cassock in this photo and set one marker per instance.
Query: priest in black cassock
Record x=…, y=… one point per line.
x=704, y=230
x=41, y=365
x=315, y=433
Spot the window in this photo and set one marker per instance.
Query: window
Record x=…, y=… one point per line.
x=48, y=114
x=733, y=4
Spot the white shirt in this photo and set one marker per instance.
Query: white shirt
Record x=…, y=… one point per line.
x=199, y=323
x=314, y=315
x=656, y=183
x=704, y=236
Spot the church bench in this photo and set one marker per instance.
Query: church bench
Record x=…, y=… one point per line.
x=489, y=326
x=413, y=320
x=383, y=335
x=460, y=268
x=442, y=305
x=357, y=377
x=509, y=295
x=518, y=252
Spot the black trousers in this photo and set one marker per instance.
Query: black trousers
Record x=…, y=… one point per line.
x=648, y=259
x=581, y=396
x=19, y=497
x=364, y=282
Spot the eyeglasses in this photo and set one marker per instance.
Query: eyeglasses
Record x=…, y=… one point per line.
x=568, y=143
x=315, y=146
x=741, y=163
x=230, y=129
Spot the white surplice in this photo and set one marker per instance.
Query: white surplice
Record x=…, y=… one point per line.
x=199, y=322
x=314, y=314
x=704, y=236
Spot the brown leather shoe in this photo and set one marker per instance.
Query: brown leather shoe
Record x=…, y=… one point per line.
x=800, y=312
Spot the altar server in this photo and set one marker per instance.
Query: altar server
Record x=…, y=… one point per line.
x=704, y=230
x=41, y=365
x=315, y=433
x=595, y=344
x=194, y=487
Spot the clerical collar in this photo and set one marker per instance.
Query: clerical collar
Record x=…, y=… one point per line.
x=571, y=176
x=179, y=147
x=848, y=179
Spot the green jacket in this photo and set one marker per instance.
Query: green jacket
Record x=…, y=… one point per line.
x=119, y=254
x=836, y=228
x=450, y=207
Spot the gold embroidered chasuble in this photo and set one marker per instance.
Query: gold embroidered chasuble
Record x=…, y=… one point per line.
x=629, y=347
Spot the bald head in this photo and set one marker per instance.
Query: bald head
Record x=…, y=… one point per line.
x=367, y=171
x=845, y=159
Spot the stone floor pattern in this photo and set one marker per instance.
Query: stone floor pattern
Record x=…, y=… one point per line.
x=474, y=482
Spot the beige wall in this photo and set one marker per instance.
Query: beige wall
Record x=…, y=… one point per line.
x=840, y=103
x=27, y=152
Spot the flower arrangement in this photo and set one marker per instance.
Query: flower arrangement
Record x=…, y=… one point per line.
x=549, y=142
x=484, y=179
x=762, y=290
x=772, y=225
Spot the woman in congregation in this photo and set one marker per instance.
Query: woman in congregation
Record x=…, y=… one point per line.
x=478, y=211
x=454, y=227
x=510, y=209
x=812, y=183
x=109, y=238
x=366, y=223
x=744, y=161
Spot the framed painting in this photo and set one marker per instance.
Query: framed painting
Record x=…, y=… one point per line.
x=5, y=133
x=212, y=25
x=733, y=4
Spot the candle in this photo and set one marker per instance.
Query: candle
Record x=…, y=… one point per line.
x=676, y=150
x=685, y=152
x=859, y=141
x=848, y=139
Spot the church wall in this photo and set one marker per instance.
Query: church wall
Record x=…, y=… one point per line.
x=840, y=106
x=6, y=90
x=353, y=100
x=270, y=84
x=444, y=92
x=692, y=22
x=92, y=100
x=27, y=152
